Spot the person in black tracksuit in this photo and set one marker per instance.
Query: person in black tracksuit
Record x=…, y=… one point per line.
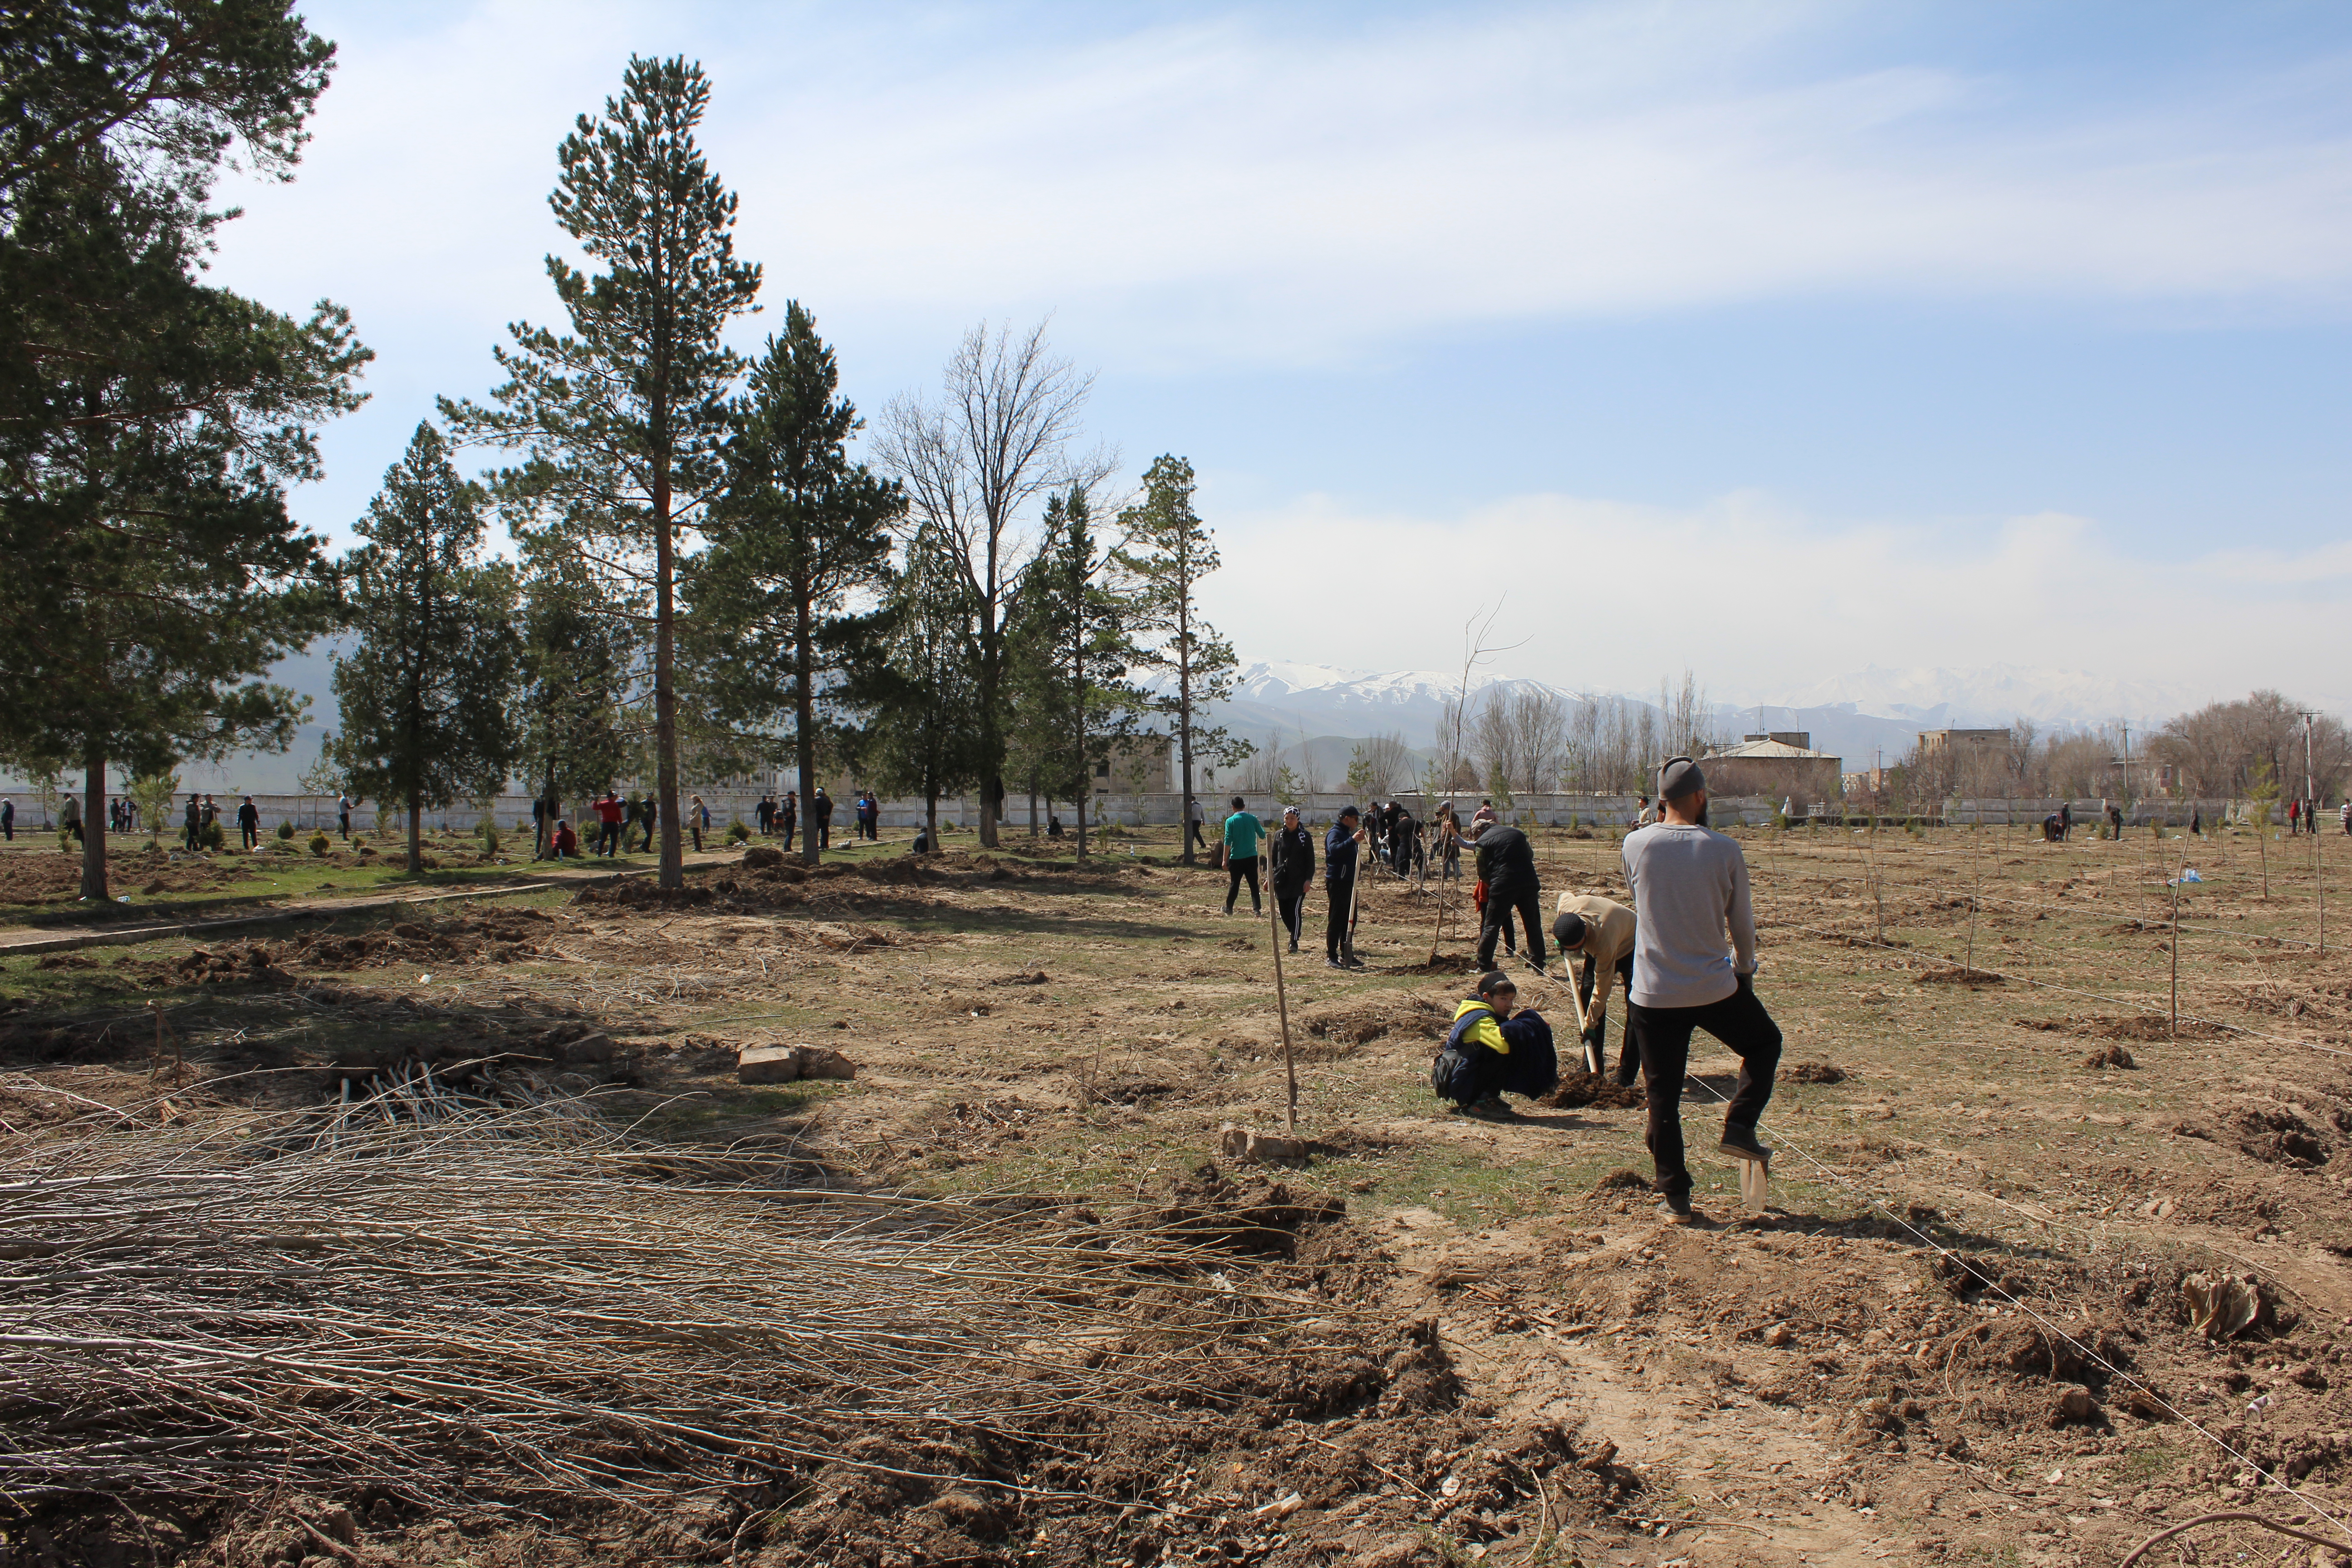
x=1341, y=847
x=1290, y=851
x=1506, y=863
x=195, y=825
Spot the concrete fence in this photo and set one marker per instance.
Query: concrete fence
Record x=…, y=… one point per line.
x=35, y=812
x=1161, y=809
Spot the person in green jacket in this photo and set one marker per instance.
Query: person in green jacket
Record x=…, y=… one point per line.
x=1244, y=832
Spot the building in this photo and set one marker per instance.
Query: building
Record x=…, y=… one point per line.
x=1144, y=764
x=1779, y=765
x=1934, y=741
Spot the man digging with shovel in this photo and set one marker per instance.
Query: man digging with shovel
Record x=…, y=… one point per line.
x=1689, y=885
x=1602, y=931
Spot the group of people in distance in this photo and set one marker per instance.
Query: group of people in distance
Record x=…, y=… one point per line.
x=1684, y=951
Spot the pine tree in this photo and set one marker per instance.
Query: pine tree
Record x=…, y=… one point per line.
x=623, y=422
x=783, y=603
x=149, y=424
x=926, y=733
x=580, y=721
x=426, y=689
x=1072, y=650
x=1168, y=551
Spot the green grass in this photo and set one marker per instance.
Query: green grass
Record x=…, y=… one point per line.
x=258, y=880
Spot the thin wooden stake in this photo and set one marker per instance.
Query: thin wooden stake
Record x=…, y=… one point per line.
x=2175, y=943
x=2320, y=886
x=1974, y=900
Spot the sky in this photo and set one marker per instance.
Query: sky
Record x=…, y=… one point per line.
x=1773, y=342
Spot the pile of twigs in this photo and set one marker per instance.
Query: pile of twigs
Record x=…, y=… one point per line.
x=492, y=1294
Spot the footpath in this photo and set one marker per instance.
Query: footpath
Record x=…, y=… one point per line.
x=37, y=938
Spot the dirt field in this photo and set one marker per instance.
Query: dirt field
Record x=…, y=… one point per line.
x=1960, y=1335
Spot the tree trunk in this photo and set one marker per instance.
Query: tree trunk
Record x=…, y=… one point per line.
x=673, y=851
x=805, y=721
x=93, y=825
x=1082, y=821
x=1184, y=703
x=932, y=812
x=1033, y=803
x=416, y=833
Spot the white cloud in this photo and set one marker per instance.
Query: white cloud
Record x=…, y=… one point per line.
x=1235, y=188
x=1761, y=602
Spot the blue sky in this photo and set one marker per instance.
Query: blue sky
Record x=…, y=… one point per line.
x=1776, y=341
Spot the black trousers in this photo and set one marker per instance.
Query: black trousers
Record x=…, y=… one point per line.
x=250, y=835
x=1290, y=902
x=1235, y=871
x=1662, y=1035
x=1337, y=938
x=1500, y=904
x=1624, y=967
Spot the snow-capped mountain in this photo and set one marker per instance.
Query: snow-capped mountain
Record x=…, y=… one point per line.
x=1871, y=714
x=1996, y=694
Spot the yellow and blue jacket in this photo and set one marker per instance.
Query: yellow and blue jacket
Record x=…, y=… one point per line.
x=1474, y=1023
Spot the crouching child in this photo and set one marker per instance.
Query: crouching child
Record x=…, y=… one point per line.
x=1493, y=1050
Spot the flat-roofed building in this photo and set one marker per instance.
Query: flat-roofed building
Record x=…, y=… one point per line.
x=1779, y=765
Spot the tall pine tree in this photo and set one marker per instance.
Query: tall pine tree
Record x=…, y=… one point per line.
x=1168, y=551
x=150, y=426
x=786, y=599
x=427, y=689
x=1072, y=650
x=623, y=422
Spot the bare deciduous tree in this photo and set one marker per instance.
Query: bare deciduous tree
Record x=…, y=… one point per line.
x=1000, y=437
x=1539, y=728
x=1381, y=765
x=1494, y=742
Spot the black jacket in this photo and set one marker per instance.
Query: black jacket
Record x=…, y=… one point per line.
x=1293, y=850
x=1507, y=861
x=1340, y=848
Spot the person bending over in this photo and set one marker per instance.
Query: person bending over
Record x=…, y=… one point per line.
x=1507, y=866
x=1603, y=932
x=1689, y=885
x=1491, y=1051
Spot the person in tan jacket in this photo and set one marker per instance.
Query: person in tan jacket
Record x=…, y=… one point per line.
x=1602, y=931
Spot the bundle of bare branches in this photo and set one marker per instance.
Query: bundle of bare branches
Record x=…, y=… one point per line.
x=456, y=1295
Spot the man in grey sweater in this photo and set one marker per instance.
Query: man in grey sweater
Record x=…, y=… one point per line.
x=1690, y=891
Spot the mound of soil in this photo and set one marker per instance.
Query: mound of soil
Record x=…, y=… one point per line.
x=1444, y=963
x=1355, y=1021
x=2113, y=1056
x=2277, y=1136
x=2147, y=1027
x=1576, y=1089
x=1260, y=1218
x=1812, y=1072
x=1953, y=976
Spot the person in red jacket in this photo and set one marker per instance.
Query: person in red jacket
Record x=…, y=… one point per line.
x=609, y=812
x=566, y=843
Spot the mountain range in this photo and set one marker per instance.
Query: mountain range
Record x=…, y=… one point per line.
x=1868, y=714
x=1871, y=714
